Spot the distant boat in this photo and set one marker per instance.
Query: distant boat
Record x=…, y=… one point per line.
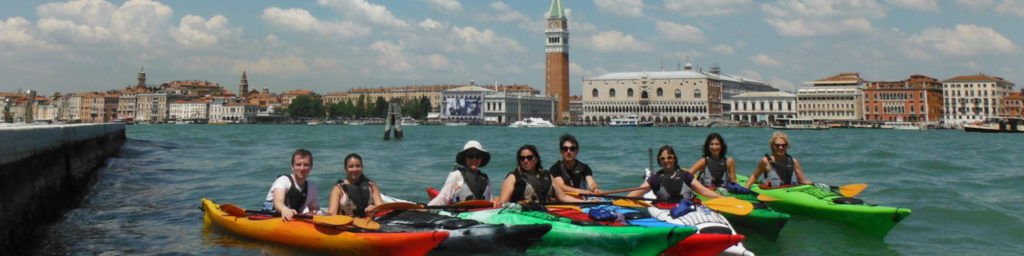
x=799, y=124
x=532, y=122
x=409, y=121
x=629, y=121
x=456, y=124
x=902, y=126
x=313, y=123
x=997, y=125
x=183, y=122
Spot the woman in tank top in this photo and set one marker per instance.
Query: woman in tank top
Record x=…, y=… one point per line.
x=714, y=169
x=779, y=168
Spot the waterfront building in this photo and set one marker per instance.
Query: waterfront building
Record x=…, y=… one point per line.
x=287, y=97
x=576, y=110
x=128, y=100
x=71, y=108
x=502, y=107
x=915, y=99
x=1013, y=104
x=834, y=99
x=973, y=98
x=762, y=108
x=194, y=111
x=153, y=107
x=194, y=88
x=663, y=96
x=408, y=93
x=99, y=107
x=264, y=98
x=46, y=110
x=556, y=78
x=234, y=113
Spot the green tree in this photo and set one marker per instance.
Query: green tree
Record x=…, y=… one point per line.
x=380, y=107
x=360, y=107
x=305, y=106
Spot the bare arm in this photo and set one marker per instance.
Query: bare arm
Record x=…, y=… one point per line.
x=445, y=196
x=638, y=193
x=732, y=170
x=592, y=184
x=286, y=213
x=377, y=200
x=506, y=189
x=562, y=197
x=697, y=166
x=334, y=201
x=800, y=173
x=702, y=190
x=762, y=166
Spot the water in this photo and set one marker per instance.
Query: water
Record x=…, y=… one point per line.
x=963, y=187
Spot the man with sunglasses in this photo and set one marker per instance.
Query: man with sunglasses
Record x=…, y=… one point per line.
x=779, y=168
x=569, y=174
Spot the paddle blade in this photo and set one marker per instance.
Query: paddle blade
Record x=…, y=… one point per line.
x=630, y=203
x=233, y=210
x=730, y=205
x=766, y=198
x=475, y=204
x=852, y=190
x=365, y=223
x=398, y=206
x=566, y=207
x=335, y=220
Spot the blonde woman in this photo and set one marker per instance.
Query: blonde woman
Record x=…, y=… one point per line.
x=778, y=168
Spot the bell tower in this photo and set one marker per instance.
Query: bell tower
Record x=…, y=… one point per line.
x=243, y=86
x=557, y=60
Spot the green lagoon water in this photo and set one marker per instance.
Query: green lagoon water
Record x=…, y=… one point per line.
x=964, y=188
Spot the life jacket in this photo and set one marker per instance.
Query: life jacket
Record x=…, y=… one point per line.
x=475, y=183
x=780, y=173
x=531, y=187
x=715, y=172
x=295, y=198
x=358, y=195
x=672, y=186
x=572, y=177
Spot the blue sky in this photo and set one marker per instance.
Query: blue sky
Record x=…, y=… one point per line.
x=334, y=45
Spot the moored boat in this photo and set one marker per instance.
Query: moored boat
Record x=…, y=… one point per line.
x=532, y=122
x=799, y=124
x=341, y=240
x=997, y=125
x=629, y=121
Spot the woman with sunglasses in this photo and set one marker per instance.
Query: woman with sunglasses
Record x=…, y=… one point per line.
x=671, y=182
x=714, y=169
x=530, y=182
x=779, y=168
x=569, y=174
x=466, y=182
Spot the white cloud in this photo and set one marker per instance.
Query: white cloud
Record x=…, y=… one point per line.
x=391, y=56
x=782, y=84
x=805, y=18
x=364, y=11
x=807, y=28
x=976, y=4
x=445, y=6
x=429, y=24
x=1011, y=7
x=765, y=60
x=197, y=32
x=920, y=5
x=136, y=22
x=628, y=8
x=78, y=33
x=505, y=14
x=17, y=32
x=287, y=65
x=962, y=40
x=272, y=41
x=723, y=49
x=302, y=21
x=706, y=7
x=679, y=32
x=472, y=40
x=751, y=75
x=615, y=41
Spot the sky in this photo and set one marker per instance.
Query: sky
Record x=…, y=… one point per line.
x=334, y=45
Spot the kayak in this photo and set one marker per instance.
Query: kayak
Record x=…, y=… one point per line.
x=565, y=232
x=310, y=236
x=693, y=245
x=809, y=200
x=466, y=236
x=762, y=219
x=706, y=220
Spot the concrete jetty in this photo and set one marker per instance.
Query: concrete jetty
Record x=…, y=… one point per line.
x=44, y=171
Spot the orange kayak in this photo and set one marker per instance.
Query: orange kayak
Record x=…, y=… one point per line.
x=325, y=239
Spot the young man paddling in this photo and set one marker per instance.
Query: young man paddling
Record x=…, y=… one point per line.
x=293, y=193
x=570, y=174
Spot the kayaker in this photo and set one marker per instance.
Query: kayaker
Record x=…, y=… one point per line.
x=714, y=168
x=294, y=193
x=529, y=181
x=672, y=183
x=356, y=195
x=569, y=174
x=779, y=168
x=466, y=181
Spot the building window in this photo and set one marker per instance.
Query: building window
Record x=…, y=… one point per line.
x=661, y=92
x=629, y=92
x=696, y=93
x=594, y=93
x=611, y=93
x=679, y=93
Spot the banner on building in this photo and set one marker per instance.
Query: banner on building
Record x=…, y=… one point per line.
x=463, y=106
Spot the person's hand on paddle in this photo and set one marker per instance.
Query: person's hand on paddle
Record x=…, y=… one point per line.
x=288, y=214
x=595, y=190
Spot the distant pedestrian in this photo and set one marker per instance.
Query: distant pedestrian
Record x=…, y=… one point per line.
x=355, y=195
x=294, y=193
x=570, y=174
x=778, y=168
x=466, y=182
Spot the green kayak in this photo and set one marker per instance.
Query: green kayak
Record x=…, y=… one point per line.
x=809, y=200
x=762, y=219
x=620, y=240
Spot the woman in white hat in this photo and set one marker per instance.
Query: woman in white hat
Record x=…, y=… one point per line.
x=466, y=181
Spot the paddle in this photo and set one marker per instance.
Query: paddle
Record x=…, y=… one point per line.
x=722, y=204
x=336, y=220
x=460, y=205
x=617, y=191
x=851, y=190
x=766, y=198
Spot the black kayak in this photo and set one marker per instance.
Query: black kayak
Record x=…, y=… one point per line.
x=465, y=236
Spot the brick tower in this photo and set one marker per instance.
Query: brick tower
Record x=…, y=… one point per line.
x=243, y=86
x=557, y=60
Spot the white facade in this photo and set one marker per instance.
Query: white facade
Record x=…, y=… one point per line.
x=831, y=103
x=664, y=96
x=975, y=98
x=190, y=110
x=505, y=108
x=154, y=107
x=763, y=107
x=71, y=109
x=237, y=113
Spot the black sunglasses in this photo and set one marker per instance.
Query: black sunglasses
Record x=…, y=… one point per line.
x=781, y=145
x=475, y=154
x=573, y=148
x=529, y=157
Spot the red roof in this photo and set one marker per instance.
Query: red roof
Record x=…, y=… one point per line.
x=978, y=77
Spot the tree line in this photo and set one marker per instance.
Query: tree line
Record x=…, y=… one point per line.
x=305, y=106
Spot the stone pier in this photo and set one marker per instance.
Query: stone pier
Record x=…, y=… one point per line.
x=45, y=170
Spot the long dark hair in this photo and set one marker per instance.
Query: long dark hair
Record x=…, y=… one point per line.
x=357, y=157
x=670, y=151
x=707, y=144
x=533, y=150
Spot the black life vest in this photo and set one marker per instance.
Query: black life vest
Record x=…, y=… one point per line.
x=539, y=183
x=714, y=173
x=295, y=198
x=781, y=173
x=672, y=185
x=359, y=194
x=571, y=177
x=477, y=182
